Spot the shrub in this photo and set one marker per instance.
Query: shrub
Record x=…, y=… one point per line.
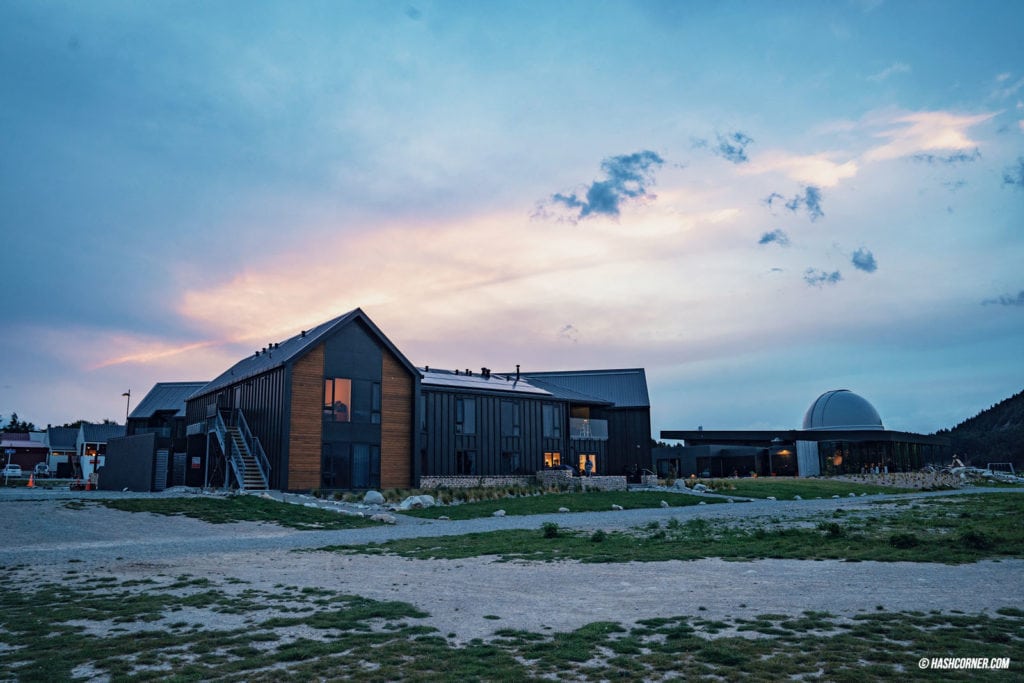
x=977, y=540
x=903, y=541
x=550, y=529
x=833, y=529
x=598, y=536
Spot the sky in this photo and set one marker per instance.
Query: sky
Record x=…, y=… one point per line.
x=756, y=202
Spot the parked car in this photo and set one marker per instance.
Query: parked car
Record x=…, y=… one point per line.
x=41, y=470
x=11, y=471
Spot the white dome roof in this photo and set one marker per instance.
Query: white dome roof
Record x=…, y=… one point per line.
x=841, y=409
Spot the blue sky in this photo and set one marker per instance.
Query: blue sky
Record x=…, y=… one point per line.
x=757, y=202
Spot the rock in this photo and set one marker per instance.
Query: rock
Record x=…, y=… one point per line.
x=772, y=498
x=563, y=509
x=385, y=518
x=729, y=500
x=616, y=507
x=445, y=518
x=836, y=496
x=703, y=502
x=699, y=488
x=798, y=498
x=416, y=502
x=498, y=513
x=853, y=495
x=664, y=504
x=373, y=498
x=680, y=484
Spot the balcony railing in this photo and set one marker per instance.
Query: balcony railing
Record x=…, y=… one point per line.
x=581, y=428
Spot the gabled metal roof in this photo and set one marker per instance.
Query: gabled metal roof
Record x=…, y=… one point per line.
x=626, y=388
x=278, y=354
x=166, y=396
x=93, y=433
x=61, y=438
x=478, y=382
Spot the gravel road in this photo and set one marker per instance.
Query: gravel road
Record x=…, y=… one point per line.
x=465, y=596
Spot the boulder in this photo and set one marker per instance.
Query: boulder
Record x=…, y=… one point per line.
x=616, y=507
x=772, y=498
x=384, y=518
x=373, y=498
x=416, y=502
x=563, y=509
x=680, y=484
x=699, y=488
x=798, y=497
x=498, y=513
x=664, y=504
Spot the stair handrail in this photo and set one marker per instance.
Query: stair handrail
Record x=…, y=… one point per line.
x=255, y=447
x=229, y=450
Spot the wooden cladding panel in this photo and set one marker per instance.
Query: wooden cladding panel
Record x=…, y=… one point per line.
x=396, y=424
x=306, y=421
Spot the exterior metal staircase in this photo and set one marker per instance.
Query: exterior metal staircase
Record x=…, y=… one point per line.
x=245, y=455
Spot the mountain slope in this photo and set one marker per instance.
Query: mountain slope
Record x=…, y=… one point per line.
x=993, y=435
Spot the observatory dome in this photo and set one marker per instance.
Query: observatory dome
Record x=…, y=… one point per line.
x=841, y=409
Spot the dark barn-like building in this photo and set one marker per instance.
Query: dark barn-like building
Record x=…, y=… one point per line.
x=340, y=407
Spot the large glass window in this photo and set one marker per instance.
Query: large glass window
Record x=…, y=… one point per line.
x=510, y=418
x=465, y=416
x=351, y=465
x=552, y=459
x=464, y=461
x=552, y=415
x=338, y=400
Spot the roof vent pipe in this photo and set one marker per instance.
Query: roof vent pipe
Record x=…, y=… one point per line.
x=517, y=372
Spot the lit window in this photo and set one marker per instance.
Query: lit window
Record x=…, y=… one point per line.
x=337, y=400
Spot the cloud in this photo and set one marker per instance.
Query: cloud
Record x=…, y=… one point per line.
x=776, y=236
x=626, y=177
x=569, y=333
x=1006, y=300
x=909, y=134
x=819, y=278
x=1014, y=175
x=733, y=147
x=954, y=185
x=864, y=260
x=819, y=169
x=810, y=200
x=954, y=158
x=891, y=70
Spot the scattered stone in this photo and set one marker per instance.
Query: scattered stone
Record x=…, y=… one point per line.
x=699, y=488
x=664, y=504
x=729, y=500
x=772, y=498
x=498, y=513
x=853, y=495
x=445, y=518
x=563, y=509
x=310, y=505
x=836, y=496
x=703, y=502
x=616, y=507
x=798, y=497
x=384, y=517
x=373, y=498
x=680, y=484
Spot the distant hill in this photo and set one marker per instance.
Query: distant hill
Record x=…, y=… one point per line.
x=993, y=435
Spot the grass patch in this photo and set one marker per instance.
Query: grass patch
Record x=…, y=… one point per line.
x=241, y=509
x=788, y=488
x=300, y=635
x=590, y=501
x=950, y=530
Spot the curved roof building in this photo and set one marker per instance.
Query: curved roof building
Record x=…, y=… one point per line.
x=842, y=409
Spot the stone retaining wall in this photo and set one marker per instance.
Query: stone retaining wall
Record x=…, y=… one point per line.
x=468, y=482
x=603, y=483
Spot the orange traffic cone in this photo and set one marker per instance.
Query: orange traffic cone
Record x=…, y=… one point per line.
x=88, y=483
x=31, y=481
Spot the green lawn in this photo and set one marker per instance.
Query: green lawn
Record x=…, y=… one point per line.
x=948, y=530
x=785, y=488
x=167, y=628
x=224, y=510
